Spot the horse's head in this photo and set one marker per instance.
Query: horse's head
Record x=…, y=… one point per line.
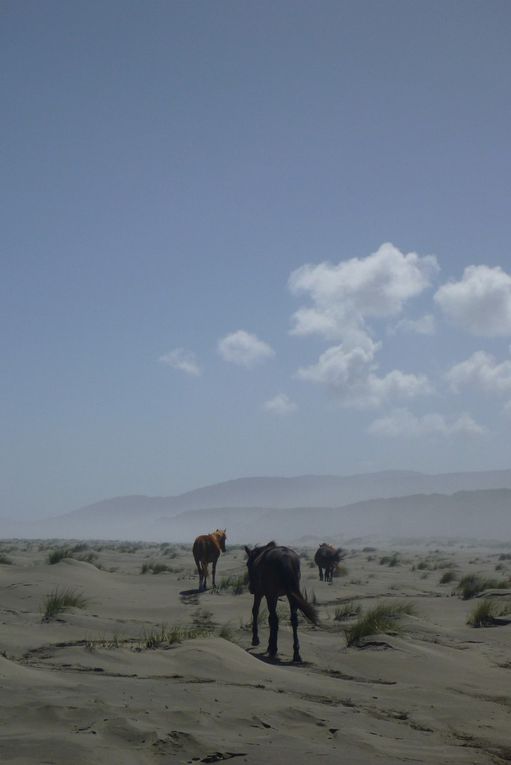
x=221, y=535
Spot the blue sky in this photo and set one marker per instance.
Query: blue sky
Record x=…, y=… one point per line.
x=196, y=283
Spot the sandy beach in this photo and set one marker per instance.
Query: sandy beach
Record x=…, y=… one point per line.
x=149, y=670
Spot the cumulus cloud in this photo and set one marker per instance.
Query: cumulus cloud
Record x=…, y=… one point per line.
x=402, y=422
x=482, y=371
x=345, y=295
x=280, y=404
x=184, y=361
x=351, y=374
x=480, y=302
x=425, y=325
x=244, y=349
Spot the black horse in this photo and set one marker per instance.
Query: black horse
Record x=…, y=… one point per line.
x=274, y=571
x=328, y=558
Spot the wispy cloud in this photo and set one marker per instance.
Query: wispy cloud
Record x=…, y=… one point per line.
x=482, y=371
x=244, y=349
x=351, y=375
x=346, y=295
x=184, y=361
x=280, y=405
x=425, y=325
x=480, y=302
x=402, y=422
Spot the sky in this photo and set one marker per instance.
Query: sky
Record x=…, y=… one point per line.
x=241, y=239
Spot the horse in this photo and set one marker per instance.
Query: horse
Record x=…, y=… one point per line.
x=207, y=549
x=328, y=558
x=274, y=571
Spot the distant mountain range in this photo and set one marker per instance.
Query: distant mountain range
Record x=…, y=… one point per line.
x=391, y=503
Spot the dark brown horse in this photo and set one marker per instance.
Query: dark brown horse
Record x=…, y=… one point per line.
x=207, y=549
x=328, y=558
x=274, y=571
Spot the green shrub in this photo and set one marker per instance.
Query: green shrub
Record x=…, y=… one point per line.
x=156, y=568
x=60, y=600
x=164, y=636
x=5, y=559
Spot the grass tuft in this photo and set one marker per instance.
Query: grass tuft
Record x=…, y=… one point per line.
x=487, y=613
x=347, y=611
x=60, y=600
x=55, y=556
x=5, y=560
x=449, y=576
x=472, y=584
x=382, y=618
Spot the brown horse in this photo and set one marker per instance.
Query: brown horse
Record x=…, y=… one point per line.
x=207, y=549
x=328, y=558
x=274, y=571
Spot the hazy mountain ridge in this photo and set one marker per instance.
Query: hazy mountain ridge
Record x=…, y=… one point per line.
x=300, y=491
x=482, y=513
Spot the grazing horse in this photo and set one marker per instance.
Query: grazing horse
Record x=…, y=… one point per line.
x=328, y=558
x=274, y=571
x=207, y=549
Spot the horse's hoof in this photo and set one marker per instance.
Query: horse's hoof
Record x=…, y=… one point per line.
x=256, y=641
x=297, y=659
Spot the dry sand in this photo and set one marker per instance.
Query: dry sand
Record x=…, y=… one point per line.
x=85, y=688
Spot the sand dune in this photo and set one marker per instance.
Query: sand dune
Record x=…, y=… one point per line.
x=85, y=687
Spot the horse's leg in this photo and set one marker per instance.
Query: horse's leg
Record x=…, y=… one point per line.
x=255, y=617
x=320, y=574
x=205, y=574
x=294, y=624
x=273, y=621
x=214, y=572
x=199, y=569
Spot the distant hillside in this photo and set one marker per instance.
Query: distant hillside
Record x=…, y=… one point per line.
x=300, y=491
x=480, y=514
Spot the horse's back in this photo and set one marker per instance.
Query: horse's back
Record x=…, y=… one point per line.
x=205, y=549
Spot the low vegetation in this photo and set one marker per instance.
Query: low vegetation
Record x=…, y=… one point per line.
x=488, y=613
x=236, y=584
x=55, y=556
x=164, y=637
x=390, y=560
x=473, y=584
x=383, y=618
x=447, y=577
x=156, y=568
x=60, y=600
x=347, y=611
x=5, y=560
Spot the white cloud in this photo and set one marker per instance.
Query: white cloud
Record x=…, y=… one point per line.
x=351, y=374
x=183, y=360
x=480, y=302
x=425, y=325
x=481, y=371
x=345, y=295
x=244, y=349
x=280, y=404
x=402, y=422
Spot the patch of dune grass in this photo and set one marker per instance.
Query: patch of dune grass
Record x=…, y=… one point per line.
x=5, y=560
x=164, y=637
x=487, y=612
x=449, y=576
x=383, y=618
x=340, y=570
x=59, y=600
x=472, y=584
x=390, y=560
x=55, y=556
x=236, y=584
x=347, y=611
x=156, y=568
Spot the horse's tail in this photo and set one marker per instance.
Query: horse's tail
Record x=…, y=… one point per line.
x=305, y=607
